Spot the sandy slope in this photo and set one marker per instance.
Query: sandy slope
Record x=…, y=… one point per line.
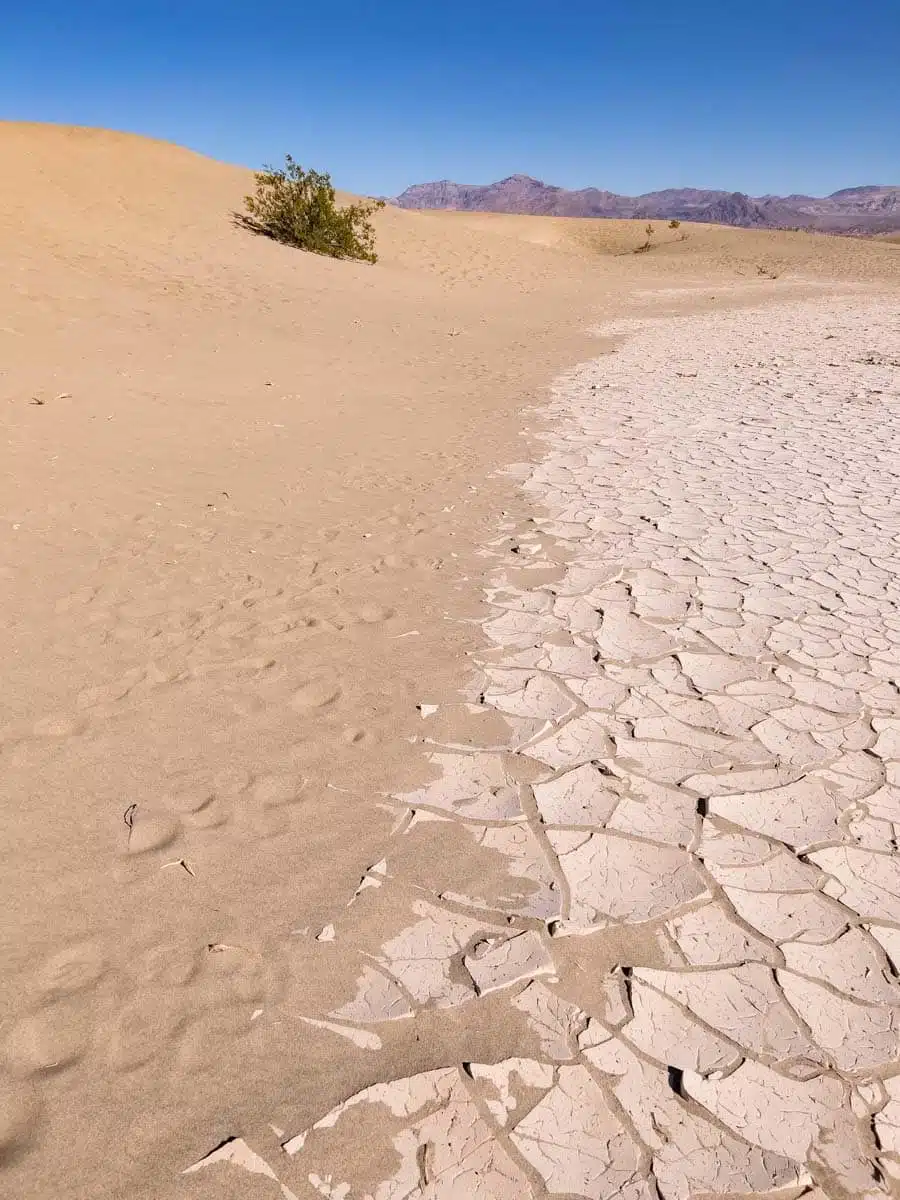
x=244, y=490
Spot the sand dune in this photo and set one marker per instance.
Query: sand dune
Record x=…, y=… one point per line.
x=245, y=508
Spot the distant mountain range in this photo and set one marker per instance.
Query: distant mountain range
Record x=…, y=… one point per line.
x=857, y=210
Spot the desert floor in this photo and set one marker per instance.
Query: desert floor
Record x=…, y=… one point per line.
x=408, y=732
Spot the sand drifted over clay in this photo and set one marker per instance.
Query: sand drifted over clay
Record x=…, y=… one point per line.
x=698, y=933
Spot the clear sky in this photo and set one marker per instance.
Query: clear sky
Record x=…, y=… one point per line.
x=786, y=96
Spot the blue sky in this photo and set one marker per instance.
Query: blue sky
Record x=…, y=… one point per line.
x=799, y=95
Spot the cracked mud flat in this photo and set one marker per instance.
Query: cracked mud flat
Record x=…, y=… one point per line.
x=694, y=642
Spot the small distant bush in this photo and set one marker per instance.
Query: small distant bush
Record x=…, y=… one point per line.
x=648, y=245
x=298, y=207
x=674, y=224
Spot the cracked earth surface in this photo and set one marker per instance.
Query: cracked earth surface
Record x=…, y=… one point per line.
x=695, y=644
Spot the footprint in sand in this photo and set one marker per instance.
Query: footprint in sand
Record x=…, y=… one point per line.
x=374, y=614
x=204, y=800
x=109, y=693
x=257, y=821
x=314, y=695
x=150, y=829
x=73, y=970
x=169, y=966
x=234, y=628
x=388, y=562
x=213, y=815
x=231, y=781
x=284, y=631
x=49, y=1040
x=76, y=599
x=145, y=1027
x=273, y=791
x=237, y=974
x=59, y=725
x=189, y=801
x=361, y=739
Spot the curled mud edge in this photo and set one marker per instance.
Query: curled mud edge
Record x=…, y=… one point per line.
x=695, y=644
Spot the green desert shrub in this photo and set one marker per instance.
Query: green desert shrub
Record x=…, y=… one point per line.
x=298, y=207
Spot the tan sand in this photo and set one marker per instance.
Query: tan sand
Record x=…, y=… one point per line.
x=246, y=506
